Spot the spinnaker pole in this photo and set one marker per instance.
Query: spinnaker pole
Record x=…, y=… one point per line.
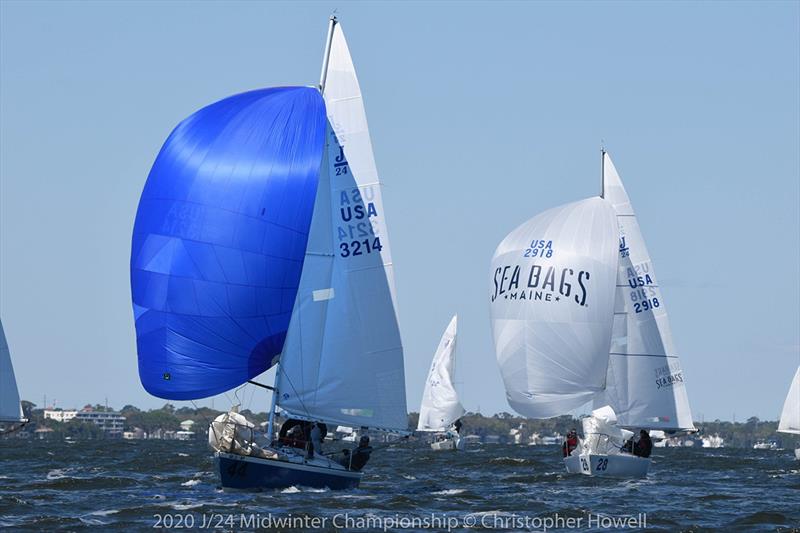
x=324, y=74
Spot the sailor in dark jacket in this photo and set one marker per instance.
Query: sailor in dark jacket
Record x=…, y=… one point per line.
x=356, y=459
x=644, y=447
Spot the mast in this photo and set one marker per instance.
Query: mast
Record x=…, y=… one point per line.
x=271, y=423
x=324, y=74
x=602, y=171
x=322, y=77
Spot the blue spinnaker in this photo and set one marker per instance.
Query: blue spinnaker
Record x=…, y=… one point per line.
x=219, y=240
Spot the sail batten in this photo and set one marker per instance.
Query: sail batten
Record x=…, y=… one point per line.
x=643, y=391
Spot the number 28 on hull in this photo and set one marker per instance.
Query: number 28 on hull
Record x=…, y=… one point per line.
x=628, y=466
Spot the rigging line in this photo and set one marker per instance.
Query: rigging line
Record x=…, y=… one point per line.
x=236, y=393
x=252, y=393
x=208, y=423
x=302, y=403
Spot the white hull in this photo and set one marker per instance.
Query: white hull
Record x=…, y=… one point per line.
x=797, y=453
x=448, y=444
x=621, y=466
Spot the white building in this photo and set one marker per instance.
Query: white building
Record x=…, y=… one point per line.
x=60, y=415
x=110, y=422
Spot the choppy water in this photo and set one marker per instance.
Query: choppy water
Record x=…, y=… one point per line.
x=128, y=485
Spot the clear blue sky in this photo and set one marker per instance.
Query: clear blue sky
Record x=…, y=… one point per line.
x=482, y=115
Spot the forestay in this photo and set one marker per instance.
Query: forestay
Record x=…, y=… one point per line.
x=343, y=359
x=440, y=405
x=552, y=303
x=790, y=417
x=10, y=407
x=645, y=385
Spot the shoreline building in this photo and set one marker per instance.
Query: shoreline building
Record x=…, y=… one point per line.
x=111, y=422
x=60, y=415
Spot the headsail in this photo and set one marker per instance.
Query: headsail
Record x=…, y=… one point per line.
x=10, y=407
x=645, y=385
x=343, y=359
x=552, y=304
x=440, y=406
x=790, y=417
x=219, y=240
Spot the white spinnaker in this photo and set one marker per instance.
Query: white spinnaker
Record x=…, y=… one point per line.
x=790, y=416
x=645, y=385
x=10, y=407
x=440, y=405
x=552, y=305
x=343, y=358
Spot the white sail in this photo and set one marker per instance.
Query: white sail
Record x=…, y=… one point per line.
x=342, y=361
x=10, y=407
x=552, y=305
x=645, y=385
x=440, y=406
x=790, y=417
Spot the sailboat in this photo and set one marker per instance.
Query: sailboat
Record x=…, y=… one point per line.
x=261, y=241
x=790, y=416
x=645, y=384
x=11, y=416
x=440, y=408
x=613, y=349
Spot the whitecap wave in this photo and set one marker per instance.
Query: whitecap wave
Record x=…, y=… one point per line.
x=57, y=473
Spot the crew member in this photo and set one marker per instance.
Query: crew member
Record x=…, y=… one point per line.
x=644, y=447
x=356, y=459
x=316, y=440
x=570, y=443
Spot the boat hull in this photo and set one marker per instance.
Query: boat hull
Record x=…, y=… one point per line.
x=797, y=453
x=619, y=466
x=254, y=473
x=448, y=444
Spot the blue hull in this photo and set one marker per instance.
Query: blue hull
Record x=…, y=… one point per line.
x=247, y=473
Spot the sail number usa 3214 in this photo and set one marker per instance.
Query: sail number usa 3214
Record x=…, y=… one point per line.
x=358, y=222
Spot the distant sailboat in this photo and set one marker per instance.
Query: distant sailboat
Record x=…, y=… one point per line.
x=440, y=407
x=261, y=240
x=616, y=352
x=790, y=416
x=11, y=416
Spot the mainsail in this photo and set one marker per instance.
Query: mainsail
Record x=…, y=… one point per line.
x=343, y=358
x=10, y=407
x=219, y=240
x=440, y=406
x=790, y=417
x=645, y=384
x=552, y=307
